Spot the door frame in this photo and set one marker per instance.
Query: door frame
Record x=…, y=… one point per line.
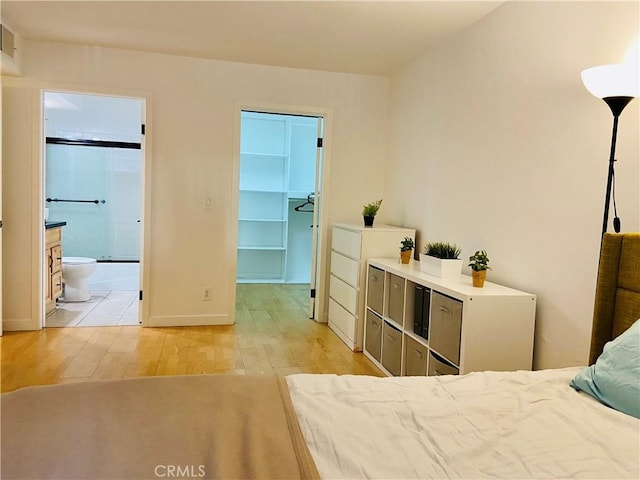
x=145, y=240
x=323, y=218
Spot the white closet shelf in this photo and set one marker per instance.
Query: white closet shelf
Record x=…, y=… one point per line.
x=265, y=155
x=281, y=220
x=256, y=190
x=298, y=195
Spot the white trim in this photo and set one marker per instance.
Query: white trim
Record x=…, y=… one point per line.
x=17, y=324
x=188, y=320
x=327, y=115
x=38, y=208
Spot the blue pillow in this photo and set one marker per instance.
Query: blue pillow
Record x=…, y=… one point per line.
x=615, y=377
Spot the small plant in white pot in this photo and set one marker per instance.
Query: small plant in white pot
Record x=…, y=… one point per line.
x=441, y=259
x=479, y=266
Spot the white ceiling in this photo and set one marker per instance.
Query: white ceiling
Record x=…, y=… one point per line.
x=366, y=37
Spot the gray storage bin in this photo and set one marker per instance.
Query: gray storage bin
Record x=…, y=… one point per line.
x=391, y=348
x=439, y=366
x=373, y=336
x=375, y=289
x=415, y=357
x=396, y=298
x=446, y=325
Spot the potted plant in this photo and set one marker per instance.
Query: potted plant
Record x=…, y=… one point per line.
x=441, y=260
x=479, y=266
x=369, y=212
x=406, y=247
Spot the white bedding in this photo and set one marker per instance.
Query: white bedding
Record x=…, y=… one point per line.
x=511, y=425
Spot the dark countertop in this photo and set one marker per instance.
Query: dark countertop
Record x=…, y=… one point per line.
x=51, y=224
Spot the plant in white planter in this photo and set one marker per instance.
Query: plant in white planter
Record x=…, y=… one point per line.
x=441, y=259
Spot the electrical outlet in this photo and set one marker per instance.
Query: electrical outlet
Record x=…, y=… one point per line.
x=206, y=294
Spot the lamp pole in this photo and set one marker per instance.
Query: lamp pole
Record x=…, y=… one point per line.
x=616, y=104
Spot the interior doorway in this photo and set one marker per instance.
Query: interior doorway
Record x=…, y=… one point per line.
x=93, y=189
x=279, y=201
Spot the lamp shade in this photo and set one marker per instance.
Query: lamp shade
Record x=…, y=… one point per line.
x=617, y=80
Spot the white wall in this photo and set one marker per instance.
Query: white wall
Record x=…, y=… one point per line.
x=191, y=137
x=496, y=145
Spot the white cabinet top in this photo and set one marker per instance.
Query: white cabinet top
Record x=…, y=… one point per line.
x=456, y=288
x=375, y=228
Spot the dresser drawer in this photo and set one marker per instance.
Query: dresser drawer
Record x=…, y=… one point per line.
x=445, y=326
x=344, y=294
x=346, y=242
x=345, y=268
x=53, y=235
x=342, y=319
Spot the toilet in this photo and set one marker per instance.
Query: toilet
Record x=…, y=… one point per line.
x=75, y=276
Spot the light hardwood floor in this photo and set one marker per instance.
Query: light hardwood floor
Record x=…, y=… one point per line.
x=272, y=334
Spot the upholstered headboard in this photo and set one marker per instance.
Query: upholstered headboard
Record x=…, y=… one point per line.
x=617, y=303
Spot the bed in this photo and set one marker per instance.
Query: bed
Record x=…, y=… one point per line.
x=561, y=423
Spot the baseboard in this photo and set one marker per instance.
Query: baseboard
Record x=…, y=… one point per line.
x=188, y=320
x=17, y=324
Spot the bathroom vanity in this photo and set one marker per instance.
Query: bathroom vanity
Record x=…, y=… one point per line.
x=53, y=264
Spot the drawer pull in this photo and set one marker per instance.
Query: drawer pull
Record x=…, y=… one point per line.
x=445, y=310
x=418, y=353
x=396, y=286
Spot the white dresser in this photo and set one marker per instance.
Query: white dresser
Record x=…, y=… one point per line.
x=351, y=246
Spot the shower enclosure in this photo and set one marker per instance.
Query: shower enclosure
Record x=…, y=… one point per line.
x=95, y=186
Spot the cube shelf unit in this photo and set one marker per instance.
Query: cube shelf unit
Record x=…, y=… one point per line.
x=418, y=324
x=277, y=171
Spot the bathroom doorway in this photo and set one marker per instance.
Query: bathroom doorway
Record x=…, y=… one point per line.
x=93, y=190
x=279, y=204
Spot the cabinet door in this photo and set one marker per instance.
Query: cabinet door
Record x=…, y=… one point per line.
x=56, y=258
x=446, y=325
x=56, y=285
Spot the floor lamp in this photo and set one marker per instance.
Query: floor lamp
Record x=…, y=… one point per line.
x=617, y=85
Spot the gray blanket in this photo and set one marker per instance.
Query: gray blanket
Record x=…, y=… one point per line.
x=197, y=426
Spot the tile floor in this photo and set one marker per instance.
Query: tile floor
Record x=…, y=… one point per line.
x=106, y=308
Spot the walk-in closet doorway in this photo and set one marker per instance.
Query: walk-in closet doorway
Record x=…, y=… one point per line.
x=278, y=208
